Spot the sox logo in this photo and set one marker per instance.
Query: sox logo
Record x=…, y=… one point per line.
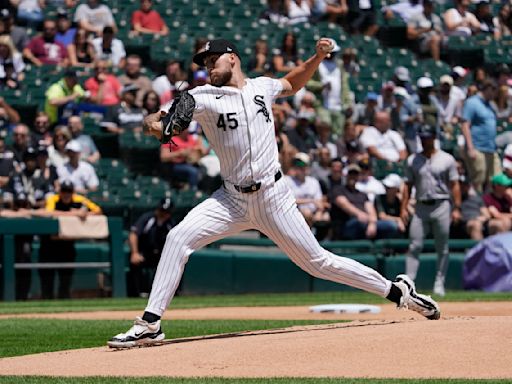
x=259, y=100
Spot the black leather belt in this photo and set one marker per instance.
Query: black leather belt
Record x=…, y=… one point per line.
x=256, y=186
x=431, y=201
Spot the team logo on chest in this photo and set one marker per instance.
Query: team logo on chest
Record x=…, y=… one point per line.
x=260, y=101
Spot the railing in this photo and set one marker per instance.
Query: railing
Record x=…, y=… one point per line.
x=10, y=227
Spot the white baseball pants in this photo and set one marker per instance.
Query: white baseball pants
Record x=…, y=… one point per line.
x=271, y=210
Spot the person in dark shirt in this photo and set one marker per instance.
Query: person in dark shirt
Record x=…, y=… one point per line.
x=48, y=171
x=6, y=164
x=335, y=177
x=302, y=137
x=147, y=239
x=18, y=35
x=29, y=181
x=125, y=117
x=22, y=245
x=475, y=215
x=41, y=134
x=499, y=204
x=353, y=216
x=20, y=143
x=388, y=205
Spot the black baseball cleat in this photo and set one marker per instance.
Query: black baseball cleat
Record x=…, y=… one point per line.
x=415, y=301
x=142, y=333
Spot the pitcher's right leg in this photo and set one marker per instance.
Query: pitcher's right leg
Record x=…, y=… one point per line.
x=213, y=219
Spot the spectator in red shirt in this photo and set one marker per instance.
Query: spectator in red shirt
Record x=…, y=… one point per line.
x=499, y=204
x=181, y=161
x=104, y=87
x=44, y=49
x=147, y=20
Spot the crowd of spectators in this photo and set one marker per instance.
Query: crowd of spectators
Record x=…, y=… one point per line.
x=344, y=158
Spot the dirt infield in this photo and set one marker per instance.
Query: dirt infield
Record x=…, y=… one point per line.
x=470, y=341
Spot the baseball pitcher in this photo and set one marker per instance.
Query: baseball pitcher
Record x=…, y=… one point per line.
x=235, y=113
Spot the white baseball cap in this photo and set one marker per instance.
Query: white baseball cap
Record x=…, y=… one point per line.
x=425, y=82
x=460, y=71
x=73, y=146
x=446, y=79
x=402, y=74
x=301, y=159
x=392, y=181
x=507, y=157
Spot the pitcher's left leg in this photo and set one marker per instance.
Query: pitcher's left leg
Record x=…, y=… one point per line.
x=279, y=218
x=441, y=231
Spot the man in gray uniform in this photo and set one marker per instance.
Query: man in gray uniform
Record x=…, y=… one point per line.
x=434, y=175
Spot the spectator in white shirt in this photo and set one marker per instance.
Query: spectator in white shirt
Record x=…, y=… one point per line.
x=298, y=11
x=80, y=173
x=93, y=17
x=306, y=190
x=458, y=90
x=448, y=106
x=367, y=183
x=381, y=142
x=459, y=21
x=110, y=49
x=403, y=9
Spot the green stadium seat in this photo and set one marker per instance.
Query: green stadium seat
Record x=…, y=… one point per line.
x=382, y=168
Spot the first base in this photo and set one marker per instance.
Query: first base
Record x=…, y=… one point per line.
x=345, y=308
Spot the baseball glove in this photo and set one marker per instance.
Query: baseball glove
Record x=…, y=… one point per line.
x=178, y=117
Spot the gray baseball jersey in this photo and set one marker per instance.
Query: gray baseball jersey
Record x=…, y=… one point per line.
x=239, y=126
x=431, y=176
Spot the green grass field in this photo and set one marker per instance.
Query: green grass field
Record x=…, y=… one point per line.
x=45, y=335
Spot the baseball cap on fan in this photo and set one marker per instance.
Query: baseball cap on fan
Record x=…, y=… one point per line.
x=402, y=74
x=427, y=131
x=301, y=160
x=392, y=181
x=446, y=79
x=218, y=46
x=459, y=71
x=425, y=82
x=73, y=146
x=67, y=186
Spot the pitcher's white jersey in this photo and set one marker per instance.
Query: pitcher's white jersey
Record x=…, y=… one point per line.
x=239, y=126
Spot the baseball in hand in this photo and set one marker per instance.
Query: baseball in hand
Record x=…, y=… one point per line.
x=328, y=48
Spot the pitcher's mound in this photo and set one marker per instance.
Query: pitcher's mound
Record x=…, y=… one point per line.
x=459, y=347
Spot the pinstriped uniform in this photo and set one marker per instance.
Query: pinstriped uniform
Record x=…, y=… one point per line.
x=239, y=125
